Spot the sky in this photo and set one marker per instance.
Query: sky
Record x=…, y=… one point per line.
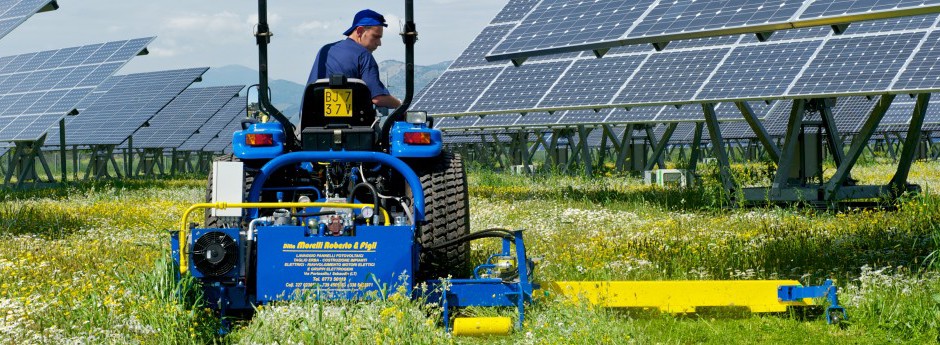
x=214, y=33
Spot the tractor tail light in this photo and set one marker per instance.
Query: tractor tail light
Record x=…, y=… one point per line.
x=418, y=138
x=259, y=139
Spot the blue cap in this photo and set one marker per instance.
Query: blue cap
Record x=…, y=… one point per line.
x=366, y=18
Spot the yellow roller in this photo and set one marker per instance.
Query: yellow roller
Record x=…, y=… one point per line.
x=479, y=326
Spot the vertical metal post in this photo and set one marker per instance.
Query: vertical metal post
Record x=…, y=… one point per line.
x=696, y=146
x=75, y=162
x=62, y=161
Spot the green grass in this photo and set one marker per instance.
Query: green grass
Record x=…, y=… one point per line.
x=87, y=262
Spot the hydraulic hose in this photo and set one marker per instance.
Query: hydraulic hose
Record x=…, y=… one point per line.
x=488, y=233
x=372, y=190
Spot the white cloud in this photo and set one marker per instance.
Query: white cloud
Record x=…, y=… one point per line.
x=224, y=22
x=273, y=19
x=314, y=27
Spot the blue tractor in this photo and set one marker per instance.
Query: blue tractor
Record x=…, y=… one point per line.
x=349, y=205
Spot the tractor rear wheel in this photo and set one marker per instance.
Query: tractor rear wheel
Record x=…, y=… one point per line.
x=447, y=217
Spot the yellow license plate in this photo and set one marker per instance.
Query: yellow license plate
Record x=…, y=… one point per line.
x=337, y=102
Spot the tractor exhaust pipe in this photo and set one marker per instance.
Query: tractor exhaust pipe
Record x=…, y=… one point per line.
x=263, y=38
x=409, y=36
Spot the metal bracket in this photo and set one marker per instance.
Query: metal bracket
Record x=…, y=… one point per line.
x=795, y=293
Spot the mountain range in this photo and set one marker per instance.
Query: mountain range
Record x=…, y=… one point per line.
x=286, y=95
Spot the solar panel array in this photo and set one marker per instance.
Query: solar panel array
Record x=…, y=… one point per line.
x=891, y=56
x=133, y=100
x=233, y=111
x=183, y=116
x=15, y=12
x=555, y=26
x=38, y=89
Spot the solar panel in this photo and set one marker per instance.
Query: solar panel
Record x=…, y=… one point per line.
x=514, y=11
x=671, y=75
x=849, y=114
x=233, y=111
x=15, y=12
x=455, y=91
x=923, y=71
x=459, y=122
x=519, y=88
x=764, y=70
x=38, y=89
x=537, y=119
x=584, y=116
x=183, y=116
x=223, y=141
x=473, y=55
x=128, y=105
x=592, y=81
x=899, y=113
x=874, y=62
x=498, y=120
x=557, y=26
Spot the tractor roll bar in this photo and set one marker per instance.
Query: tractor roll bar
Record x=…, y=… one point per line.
x=345, y=156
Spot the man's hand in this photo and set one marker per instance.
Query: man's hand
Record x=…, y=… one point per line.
x=387, y=101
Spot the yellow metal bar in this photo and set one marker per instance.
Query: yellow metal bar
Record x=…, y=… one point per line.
x=482, y=326
x=760, y=296
x=184, y=228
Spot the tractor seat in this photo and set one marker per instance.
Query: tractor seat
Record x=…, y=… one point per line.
x=337, y=114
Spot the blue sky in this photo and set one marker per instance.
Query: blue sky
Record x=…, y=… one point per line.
x=192, y=33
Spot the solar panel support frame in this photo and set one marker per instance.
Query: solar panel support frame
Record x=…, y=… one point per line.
x=22, y=164
x=150, y=159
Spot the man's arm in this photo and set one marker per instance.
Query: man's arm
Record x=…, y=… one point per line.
x=387, y=101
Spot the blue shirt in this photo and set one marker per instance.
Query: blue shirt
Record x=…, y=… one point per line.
x=350, y=59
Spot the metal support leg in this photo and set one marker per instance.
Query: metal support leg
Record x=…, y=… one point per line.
x=833, y=138
x=711, y=119
x=788, y=155
x=899, y=181
x=585, y=150
x=624, y=147
x=759, y=130
x=660, y=147
x=858, y=145
x=696, y=149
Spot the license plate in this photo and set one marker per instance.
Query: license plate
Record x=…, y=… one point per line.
x=337, y=102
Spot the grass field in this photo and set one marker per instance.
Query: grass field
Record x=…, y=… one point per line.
x=87, y=263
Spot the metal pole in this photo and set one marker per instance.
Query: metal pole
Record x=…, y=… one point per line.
x=62, y=161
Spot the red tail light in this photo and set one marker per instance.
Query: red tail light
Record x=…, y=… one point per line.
x=259, y=139
x=418, y=138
